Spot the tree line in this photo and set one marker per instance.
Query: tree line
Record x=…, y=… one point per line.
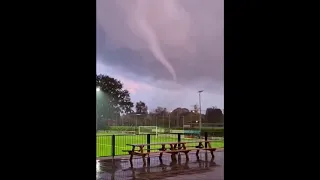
x=114, y=103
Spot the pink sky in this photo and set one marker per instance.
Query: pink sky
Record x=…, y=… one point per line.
x=163, y=51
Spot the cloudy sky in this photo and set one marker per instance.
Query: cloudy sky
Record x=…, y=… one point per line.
x=163, y=51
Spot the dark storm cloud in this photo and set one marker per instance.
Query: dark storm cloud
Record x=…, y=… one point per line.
x=147, y=37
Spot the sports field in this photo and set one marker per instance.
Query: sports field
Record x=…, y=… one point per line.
x=104, y=142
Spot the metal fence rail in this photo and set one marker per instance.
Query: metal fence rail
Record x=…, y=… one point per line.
x=113, y=145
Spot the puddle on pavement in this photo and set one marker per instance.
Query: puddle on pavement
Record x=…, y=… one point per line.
x=121, y=169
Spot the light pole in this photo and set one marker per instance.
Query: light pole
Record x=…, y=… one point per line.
x=200, y=121
x=97, y=114
x=169, y=119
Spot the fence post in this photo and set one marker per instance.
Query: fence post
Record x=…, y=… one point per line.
x=179, y=139
x=148, y=148
x=113, y=146
x=148, y=142
x=205, y=138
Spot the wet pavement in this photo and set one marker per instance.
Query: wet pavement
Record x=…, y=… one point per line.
x=204, y=168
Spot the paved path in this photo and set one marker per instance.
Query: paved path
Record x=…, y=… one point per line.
x=201, y=176
x=202, y=169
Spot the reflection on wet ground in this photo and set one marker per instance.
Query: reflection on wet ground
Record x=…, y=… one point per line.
x=204, y=168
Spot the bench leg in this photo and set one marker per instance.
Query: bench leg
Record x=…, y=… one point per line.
x=130, y=160
x=179, y=158
x=187, y=156
x=144, y=159
x=160, y=157
x=173, y=157
x=131, y=155
x=197, y=153
x=212, y=154
x=161, y=162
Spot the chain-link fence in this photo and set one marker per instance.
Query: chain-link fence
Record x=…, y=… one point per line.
x=115, y=145
x=167, y=121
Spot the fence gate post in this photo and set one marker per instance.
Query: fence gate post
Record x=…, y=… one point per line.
x=148, y=148
x=113, y=145
x=148, y=142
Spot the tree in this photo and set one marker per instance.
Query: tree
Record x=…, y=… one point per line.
x=141, y=108
x=180, y=111
x=160, y=111
x=214, y=115
x=112, y=99
x=176, y=115
x=195, y=108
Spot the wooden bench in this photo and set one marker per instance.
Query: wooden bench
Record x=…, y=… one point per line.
x=200, y=146
x=175, y=148
x=172, y=150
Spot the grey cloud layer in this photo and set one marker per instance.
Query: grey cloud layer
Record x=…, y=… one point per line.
x=189, y=33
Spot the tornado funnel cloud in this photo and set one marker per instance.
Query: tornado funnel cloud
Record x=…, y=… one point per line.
x=151, y=38
x=154, y=47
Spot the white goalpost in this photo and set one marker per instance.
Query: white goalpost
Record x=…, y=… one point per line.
x=148, y=130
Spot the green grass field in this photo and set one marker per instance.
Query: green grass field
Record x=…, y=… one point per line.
x=104, y=147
